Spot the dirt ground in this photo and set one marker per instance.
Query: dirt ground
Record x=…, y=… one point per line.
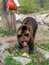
x=1, y=63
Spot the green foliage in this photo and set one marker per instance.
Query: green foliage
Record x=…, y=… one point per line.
x=33, y=62
x=10, y=61
x=17, y=51
x=45, y=63
x=45, y=46
x=37, y=53
x=28, y=6
x=46, y=4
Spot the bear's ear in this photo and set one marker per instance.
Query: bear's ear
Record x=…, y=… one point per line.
x=19, y=30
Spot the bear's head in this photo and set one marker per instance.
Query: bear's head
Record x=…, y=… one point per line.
x=24, y=34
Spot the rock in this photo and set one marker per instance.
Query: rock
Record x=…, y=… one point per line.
x=46, y=20
x=23, y=60
x=19, y=16
x=39, y=19
x=3, y=54
x=46, y=55
x=7, y=45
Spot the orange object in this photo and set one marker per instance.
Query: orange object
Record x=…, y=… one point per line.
x=11, y=5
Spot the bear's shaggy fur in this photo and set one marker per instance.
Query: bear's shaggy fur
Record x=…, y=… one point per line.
x=26, y=33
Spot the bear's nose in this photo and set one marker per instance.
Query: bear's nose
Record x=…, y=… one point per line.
x=24, y=44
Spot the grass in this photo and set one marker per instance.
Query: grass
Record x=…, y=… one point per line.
x=33, y=62
x=36, y=57
x=45, y=63
x=32, y=6
x=28, y=6
x=10, y=61
x=3, y=33
x=45, y=33
x=44, y=45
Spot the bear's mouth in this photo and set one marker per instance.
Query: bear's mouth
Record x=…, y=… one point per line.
x=24, y=44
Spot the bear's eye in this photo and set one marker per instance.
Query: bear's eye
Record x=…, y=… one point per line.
x=19, y=36
x=27, y=35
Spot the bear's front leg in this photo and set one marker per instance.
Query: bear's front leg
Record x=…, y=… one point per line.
x=31, y=46
x=20, y=46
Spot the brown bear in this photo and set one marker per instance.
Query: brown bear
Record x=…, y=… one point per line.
x=26, y=33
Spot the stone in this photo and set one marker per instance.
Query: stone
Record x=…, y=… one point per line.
x=46, y=55
x=3, y=55
x=39, y=19
x=19, y=16
x=5, y=44
x=23, y=60
x=46, y=20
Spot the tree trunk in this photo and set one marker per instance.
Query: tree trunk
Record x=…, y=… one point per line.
x=8, y=18
x=42, y=3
